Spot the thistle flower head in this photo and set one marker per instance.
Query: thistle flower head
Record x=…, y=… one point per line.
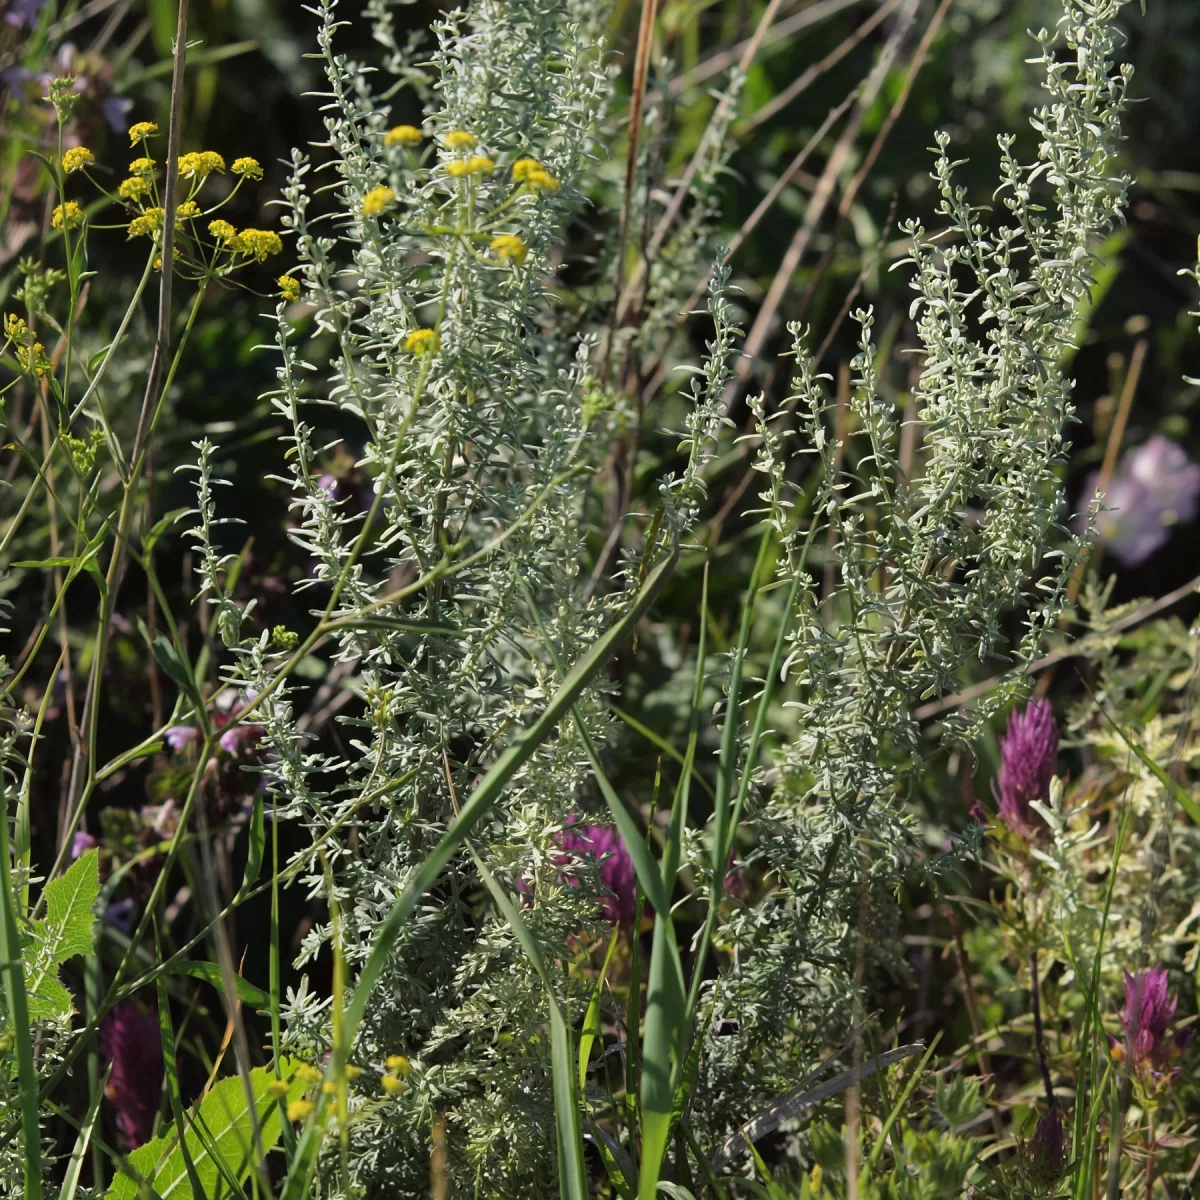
x=129, y=1040
x=1028, y=754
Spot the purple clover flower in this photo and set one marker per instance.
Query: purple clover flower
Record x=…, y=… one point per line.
x=1154, y=487
x=130, y=1041
x=1149, y=1008
x=179, y=736
x=603, y=846
x=1046, y=1153
x=1028, y=755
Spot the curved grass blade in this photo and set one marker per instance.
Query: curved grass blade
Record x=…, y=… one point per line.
x=591, y=1020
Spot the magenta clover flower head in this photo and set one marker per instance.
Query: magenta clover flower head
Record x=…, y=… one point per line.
x=603, y=846
x=130, y=1041
x=1155, y=487
x=1028, y=755
x=1149, y=1008
x=1046, y=1152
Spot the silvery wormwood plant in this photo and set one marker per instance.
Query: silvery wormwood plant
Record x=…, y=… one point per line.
x=430, y=286
x=475, y=405
x=931, y=563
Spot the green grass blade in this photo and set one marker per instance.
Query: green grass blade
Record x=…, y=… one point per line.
x=572, y=1176
x=591, y=1020
x=897, y=1108
x=666, y=1005
x=70, y=1181
x=661, y=1048
x=16, y=1001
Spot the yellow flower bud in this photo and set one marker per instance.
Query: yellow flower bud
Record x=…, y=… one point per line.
x=421, y=341
x=277, y=1088
x=403, y=135
x=378, y=200
x=509, y=246
x=300, y=1110
x=459, y=139
x=392, y=1084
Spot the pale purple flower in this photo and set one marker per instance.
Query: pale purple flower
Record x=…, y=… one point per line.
x=1155, y=487
x=130, y=1041
x=179, y=736
x=1028, y=755
x=229, y=741
x=20, y=13
x=604, y=846
x=1149, y=1009
x=120, y=915
x=83, y=843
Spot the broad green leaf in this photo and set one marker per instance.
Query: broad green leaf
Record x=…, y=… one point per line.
x=69, y=902
x=255, y=848
x=223, y=1114
x=255, y=997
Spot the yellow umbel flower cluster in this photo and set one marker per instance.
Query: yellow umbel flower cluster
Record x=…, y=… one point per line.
x=222, y=231
x=31, y=354
x=459, y=139
x=509, y=246
x=76, y=159
x=403, y=135
x=249, y=167
x=256, y=243
x=289, y=288
x=134, y=188
x=147, y=223
x=378, y=200
x=530, y=173
x=142, y=166
x=67, y=215
x=477, y=164
x=200, y=164
x=141, y=131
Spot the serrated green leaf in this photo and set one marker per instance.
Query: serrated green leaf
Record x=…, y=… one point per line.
x=48, y=999
x=69, y=902
x=224, y=1116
